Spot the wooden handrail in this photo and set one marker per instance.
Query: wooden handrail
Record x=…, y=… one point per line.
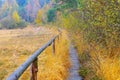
x=32, y=60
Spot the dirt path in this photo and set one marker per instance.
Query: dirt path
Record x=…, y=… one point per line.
x=75, y=64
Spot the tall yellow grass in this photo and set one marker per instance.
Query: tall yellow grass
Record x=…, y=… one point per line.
x=98, y=61
x=53, y=66
x=17, y=45
x=107, y=67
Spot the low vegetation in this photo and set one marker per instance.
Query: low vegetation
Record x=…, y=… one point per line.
x=16, y=45
x=94, y=29
x=9, y=24
x=53, y=66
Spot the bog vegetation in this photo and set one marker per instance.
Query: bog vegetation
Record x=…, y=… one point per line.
x=17, y=45
x=93, y=27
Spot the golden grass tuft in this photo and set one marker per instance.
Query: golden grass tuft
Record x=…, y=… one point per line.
x=109, y=69
x=98, y=63
x=55, y=66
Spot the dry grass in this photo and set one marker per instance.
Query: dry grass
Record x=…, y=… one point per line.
x=109, y=69
x=16, y=45
x=56, y=65
x=98, y=63
x=105, y=65
x=53, y=66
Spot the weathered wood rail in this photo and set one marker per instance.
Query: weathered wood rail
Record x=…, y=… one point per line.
x=32, y=61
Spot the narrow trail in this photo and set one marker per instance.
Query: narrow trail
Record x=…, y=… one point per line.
x=74, y=75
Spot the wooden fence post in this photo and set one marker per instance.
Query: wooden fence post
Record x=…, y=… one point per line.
x=34, y=69
x=53, y=47
x=58, y=39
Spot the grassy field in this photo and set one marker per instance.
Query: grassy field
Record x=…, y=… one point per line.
x=18, y=44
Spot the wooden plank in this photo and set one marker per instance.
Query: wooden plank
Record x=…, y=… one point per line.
x=74, y=75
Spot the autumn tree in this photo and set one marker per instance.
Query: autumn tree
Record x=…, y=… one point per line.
x=38, y=19
x=16, y=17
x=99, y=20
x=51, y=15
x=102, y=18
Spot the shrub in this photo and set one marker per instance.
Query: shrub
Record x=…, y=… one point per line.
x=51, y=14
x=10, y=24
x=21, y=24
x=98, y=22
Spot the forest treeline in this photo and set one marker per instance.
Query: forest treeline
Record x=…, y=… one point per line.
x=94, y=28
x=26, y=10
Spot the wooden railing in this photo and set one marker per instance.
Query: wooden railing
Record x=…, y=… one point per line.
x=32, y=61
